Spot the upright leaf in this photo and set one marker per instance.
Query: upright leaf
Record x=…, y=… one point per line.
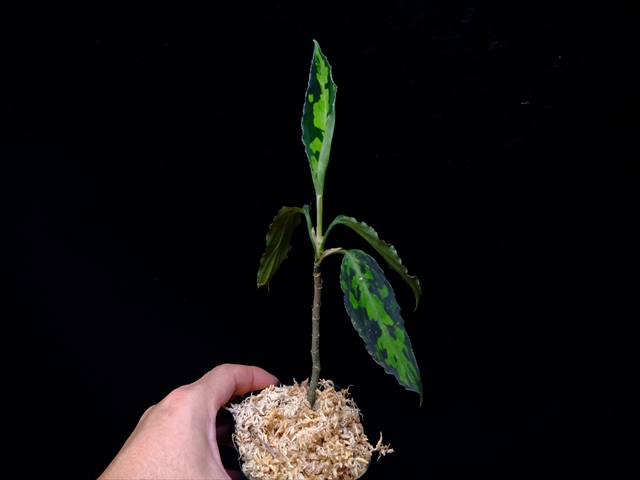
x=278, y=242
x=385, y=249
x=318, y=116
x=375, y=314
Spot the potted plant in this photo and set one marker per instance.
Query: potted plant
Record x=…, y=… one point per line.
x=312, y=430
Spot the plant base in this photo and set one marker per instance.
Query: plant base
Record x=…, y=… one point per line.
x=280, y=437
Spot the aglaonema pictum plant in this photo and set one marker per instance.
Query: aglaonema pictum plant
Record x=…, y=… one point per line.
x=368, y=296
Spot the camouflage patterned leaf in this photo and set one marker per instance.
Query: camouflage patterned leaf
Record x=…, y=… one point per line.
x=318, y=117
x=278, y=241
x=375, y=314
x=385, y=249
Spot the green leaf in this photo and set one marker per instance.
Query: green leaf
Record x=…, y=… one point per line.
x=318, y=117
x=278, y=241
x=375, y=314
x=385, y=249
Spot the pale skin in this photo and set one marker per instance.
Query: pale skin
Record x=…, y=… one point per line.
x=178, y=437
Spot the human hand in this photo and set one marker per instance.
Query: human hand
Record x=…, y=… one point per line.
x=178, y=438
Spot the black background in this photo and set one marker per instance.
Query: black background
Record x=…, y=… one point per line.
x=146, y=148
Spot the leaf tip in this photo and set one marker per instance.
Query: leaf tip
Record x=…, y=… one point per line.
x=263, y=284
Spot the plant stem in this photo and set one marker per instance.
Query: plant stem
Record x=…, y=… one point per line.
x=319, y=206
x=315, y=334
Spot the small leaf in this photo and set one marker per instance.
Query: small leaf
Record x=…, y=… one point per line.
x=375, y=314
x=306, y=209
x=318, y=116
x=385, y=249
x=278, y=242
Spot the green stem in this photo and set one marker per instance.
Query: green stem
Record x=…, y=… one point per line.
x=319, y=207
x=315, y=334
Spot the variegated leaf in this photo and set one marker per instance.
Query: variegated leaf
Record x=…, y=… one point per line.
x=375, y=314
x=318, y=116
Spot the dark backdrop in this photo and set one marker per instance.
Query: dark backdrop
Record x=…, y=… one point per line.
x=147, y=148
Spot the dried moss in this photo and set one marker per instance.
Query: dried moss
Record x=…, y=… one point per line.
x=280, y=437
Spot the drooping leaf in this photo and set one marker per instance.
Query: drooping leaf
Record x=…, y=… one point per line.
x=385, y=249
x=278, y=241
x=318, y=116
x=375, y=314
